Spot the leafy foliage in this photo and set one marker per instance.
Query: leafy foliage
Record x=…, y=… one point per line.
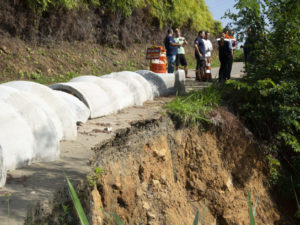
x=175, y=13
x=268, y=98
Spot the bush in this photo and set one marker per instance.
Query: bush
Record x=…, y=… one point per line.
x=268, y=98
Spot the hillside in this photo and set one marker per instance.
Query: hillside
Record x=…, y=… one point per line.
x=53, y=41
x=117, y=23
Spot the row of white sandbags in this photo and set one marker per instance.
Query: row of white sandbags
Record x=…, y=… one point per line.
x=35, y=118
x=110, y=93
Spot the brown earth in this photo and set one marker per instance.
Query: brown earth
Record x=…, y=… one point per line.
x=156, y=173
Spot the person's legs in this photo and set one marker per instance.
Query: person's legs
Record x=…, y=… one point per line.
x=222, y=70
x=177, y=61
x=197, y=71
x=229, y=67
x=186, y=71
x=183, y=62
x=202, y=69
x=171, y=63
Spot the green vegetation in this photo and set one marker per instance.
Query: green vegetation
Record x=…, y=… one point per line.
x=251, y=209
x=176, y=13
x=185, y=13
x=94, y=176
x=194, y=107
x=268, y=99
x=81, y=214
x=238, y=55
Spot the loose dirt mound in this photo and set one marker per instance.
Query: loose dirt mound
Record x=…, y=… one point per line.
x=156, y=174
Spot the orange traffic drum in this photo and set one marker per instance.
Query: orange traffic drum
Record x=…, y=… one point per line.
x=159, y=65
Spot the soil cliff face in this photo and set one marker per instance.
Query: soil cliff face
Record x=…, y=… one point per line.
x=156, y=173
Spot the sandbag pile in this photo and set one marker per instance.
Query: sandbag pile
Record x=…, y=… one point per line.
x=34, y=118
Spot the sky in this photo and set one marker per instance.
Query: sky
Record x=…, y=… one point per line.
x=219, y=7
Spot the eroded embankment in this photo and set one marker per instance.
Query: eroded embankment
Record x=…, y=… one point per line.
x=157, y=174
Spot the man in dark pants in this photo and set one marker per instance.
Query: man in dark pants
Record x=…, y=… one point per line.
x=225, y=57
x=200, y=55
x=233, y=44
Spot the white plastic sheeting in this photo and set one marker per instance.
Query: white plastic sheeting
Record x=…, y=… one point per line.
x=164, y=84
x=16, y=138
x=2, y=169
x=63, y=112
x=110, y=93
x=138, y=86
x=46, y=141
x=119, y=93
x=79, y=110
x=95, y=98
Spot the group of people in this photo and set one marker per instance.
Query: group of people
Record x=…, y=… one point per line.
x=203, y=49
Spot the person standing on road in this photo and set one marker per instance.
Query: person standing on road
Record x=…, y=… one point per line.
x=200, y=55
x=172, y=48
x=208, y=50
x=234, y=46
x=180, y=57
x=225, y=57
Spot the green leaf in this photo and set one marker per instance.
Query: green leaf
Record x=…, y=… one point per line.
x=77, y=204
x=117, y=218
x=196, y=218
x=252, y=220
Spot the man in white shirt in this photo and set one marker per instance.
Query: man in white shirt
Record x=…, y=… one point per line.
x=208, y=50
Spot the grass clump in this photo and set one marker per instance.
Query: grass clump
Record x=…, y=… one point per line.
x=194, y=107
x=77, y=204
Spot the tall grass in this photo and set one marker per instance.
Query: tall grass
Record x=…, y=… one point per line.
x=193, y=108
x=77, y=204
x=251, y=210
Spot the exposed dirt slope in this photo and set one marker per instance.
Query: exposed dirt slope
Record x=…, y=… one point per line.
x=157, y=174
x=59, y=62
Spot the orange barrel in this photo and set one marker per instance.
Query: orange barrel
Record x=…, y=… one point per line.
x=207, y=75
x=159, y=65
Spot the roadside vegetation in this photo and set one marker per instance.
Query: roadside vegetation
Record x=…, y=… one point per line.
x=267, y=100
x=193, y=109
x=176, y=13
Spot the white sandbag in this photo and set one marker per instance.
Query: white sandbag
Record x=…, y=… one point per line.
x=64, y=114
x=16, y=140
x=164, y=84
x=2, y=169
x=119, y=93
x=46, y=141
x=96, y=99
x=79, y=110
x=139, y=87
